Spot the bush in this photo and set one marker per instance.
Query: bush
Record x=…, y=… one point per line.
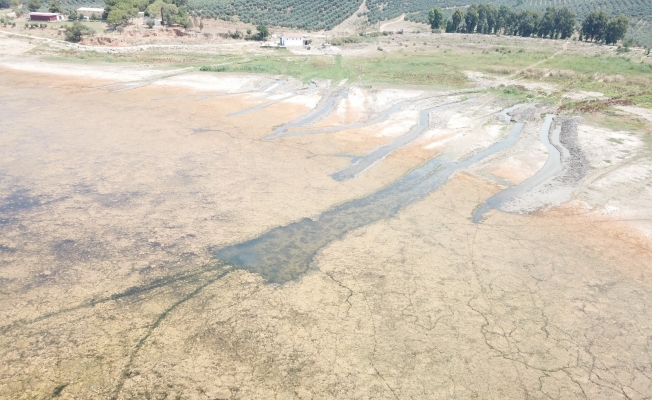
x=150, y=23
x=75, y=32
x=346, y=40
x=218, y=68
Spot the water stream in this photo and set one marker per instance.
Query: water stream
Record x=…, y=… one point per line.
x=549, y=169
x=285, y=252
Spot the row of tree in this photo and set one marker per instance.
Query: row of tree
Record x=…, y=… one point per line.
x=554, y=23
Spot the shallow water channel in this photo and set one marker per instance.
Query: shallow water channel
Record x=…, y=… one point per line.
x=285, y=252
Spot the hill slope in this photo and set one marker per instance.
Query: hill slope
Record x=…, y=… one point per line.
x=326, y=14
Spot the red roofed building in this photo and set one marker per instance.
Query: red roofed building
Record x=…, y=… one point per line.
x=40, y=16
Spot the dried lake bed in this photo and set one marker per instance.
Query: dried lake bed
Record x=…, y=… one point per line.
x=158, y=242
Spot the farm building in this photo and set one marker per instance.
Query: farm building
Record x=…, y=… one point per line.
x=87, y=11
x=294, y=40
x=41, y=16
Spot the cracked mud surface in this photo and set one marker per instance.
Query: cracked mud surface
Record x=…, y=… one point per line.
x=111, y=205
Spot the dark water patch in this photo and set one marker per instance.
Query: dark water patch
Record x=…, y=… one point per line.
x=115, y=200
x=205, y=274
x=19, y=200
x=363, y=163
x=6, y=221
x=6, y=249
x=285, y=253
x=549, y=169
x=58, y=390
x=75, y=251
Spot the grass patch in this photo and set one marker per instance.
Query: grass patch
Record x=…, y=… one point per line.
x=395, y=69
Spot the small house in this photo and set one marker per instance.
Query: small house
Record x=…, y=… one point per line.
x=48, y=17
x=294, y=40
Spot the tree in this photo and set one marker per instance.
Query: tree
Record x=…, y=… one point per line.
x=75, y=32
x=564, y=23
x=471, y=18
x=456, y=21
x=503, y=19
x=55, y=7
x=492, y=19
x=201, y=25
x=154, y=9
x=121, y=13
x=594, y=26
x=547, y=23
x=435, y=18
x=263, y=32
x=617, y=28
x=5, y=3
x=34, y=5
x=483, y=18
x=528, y=21
x=72, y=16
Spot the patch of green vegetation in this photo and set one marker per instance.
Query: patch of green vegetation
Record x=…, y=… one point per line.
x=350, y=40
x=386, y=69
x=623, y=122
x=616, y=77
x=520, y=94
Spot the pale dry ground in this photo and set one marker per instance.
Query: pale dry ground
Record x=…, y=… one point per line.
x=110, y=203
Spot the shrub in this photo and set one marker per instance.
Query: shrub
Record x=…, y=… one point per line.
x=217, y=68
x=150, y=23
x=75, y=32
x=346, y=40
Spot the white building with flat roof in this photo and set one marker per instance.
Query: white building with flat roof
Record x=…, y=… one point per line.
x=87, y=11
x=294, y=40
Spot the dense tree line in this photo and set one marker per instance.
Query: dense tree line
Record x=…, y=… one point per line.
x=554, y=23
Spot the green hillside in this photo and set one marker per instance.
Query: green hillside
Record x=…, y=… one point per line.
x=326, y=14
x=323, y=14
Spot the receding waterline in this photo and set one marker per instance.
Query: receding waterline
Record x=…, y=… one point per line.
x=284, y=253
